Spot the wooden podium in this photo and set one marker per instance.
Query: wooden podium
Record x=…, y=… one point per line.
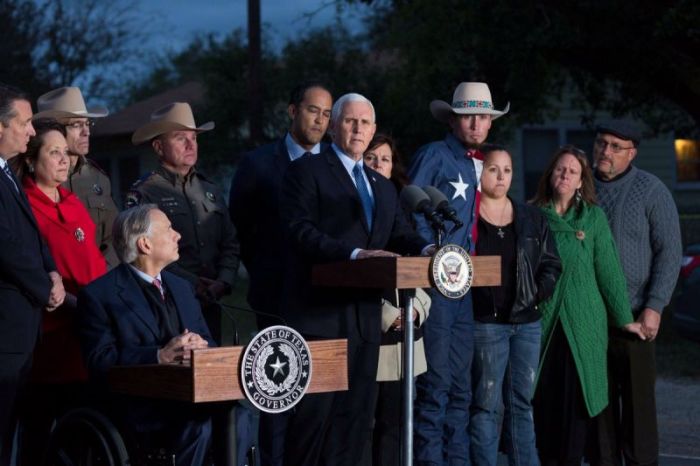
x=213, y=374
x=406, y=274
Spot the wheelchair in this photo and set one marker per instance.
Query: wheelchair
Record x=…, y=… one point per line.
x=87, y=437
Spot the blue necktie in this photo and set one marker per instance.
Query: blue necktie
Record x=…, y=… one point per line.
x=365, y=198
x=8, y=172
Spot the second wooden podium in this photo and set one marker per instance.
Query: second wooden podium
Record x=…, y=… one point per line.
x=406, y=274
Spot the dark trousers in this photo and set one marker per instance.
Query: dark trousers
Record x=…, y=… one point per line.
x=14, y=371
x=628, y=427
x=183, y=429
x=388, y=425
x=335, y=428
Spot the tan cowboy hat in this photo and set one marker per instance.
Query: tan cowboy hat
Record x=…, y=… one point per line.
x=173, y=117
x=66, y=102
x=468, y=99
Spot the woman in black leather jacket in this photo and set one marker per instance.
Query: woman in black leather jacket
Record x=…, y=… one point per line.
x=507, y=328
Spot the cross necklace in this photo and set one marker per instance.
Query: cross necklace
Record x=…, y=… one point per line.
x=501, y=234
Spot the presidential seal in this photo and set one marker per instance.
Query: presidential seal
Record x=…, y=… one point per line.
x=276, y=369
x=452, y=271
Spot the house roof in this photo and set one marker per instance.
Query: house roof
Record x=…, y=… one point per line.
x=127, y=120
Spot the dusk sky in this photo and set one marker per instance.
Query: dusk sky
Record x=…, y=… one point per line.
x=282, y=19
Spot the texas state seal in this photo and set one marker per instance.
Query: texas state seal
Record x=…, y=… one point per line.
x=276, y=369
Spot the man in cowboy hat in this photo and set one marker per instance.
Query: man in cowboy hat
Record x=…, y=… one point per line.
x=453, y=166
x=209, y=250
x=86, y=180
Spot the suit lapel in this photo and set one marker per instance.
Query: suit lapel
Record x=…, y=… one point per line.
x=130, y=292
x=341, y=174
x=281, y=158
x=20, y=197
x=380, y=215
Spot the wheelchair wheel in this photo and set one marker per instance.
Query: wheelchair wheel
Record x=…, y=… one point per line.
x=85, y=437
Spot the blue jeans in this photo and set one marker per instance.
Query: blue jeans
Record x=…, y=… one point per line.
x=443, y=392
x=504, y=368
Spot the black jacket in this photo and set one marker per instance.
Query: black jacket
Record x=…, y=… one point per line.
x=537, y=266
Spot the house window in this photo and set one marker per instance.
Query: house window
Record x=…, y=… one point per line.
x=538, y=147
x=687, y=160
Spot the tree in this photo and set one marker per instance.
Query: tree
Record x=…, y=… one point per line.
x=55, y=44
x=626, y=57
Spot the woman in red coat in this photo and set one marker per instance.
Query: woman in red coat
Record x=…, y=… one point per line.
x=58, y=374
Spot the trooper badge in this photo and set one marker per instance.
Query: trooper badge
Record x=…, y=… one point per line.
x=452, y=271
x=276, y=369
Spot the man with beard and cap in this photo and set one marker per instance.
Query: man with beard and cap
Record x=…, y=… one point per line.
x=644, y=222
x=86, y=179
x=254, y=208
x=453, y=166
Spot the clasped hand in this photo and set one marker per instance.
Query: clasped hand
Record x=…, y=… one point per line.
x=179, y=348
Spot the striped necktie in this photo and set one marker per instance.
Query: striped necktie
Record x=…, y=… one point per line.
x=8, y=172
x=157, y=283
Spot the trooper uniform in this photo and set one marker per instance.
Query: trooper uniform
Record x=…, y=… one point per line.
x=92, y=186
x=196, y=209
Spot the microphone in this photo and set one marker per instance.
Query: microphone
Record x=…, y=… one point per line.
x=442, y=206
x=416, y=200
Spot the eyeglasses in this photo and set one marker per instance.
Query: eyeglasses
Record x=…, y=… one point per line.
x=80, y=125
x=602, y=144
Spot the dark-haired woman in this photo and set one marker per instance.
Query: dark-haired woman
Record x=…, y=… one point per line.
x=507, y=319
x=591, y=292
x=58, y=375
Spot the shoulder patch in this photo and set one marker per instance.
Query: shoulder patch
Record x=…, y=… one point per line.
x=142, y=180
x=133, y=198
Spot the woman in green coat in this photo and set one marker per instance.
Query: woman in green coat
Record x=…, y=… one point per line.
x=590, y=295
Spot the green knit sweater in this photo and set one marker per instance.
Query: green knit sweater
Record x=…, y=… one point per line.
x=591, y=290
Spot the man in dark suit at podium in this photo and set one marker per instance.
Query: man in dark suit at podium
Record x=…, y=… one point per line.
x=334, y=208
x=254, y=208
x=29, y=282
x=140, y=314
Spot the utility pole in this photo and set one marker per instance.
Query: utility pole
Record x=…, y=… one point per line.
x=255, y=110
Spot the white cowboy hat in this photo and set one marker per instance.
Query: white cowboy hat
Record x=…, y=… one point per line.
x=468, y=99
x=66, y=102
x=173, y=117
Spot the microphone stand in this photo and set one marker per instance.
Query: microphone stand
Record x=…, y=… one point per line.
x=407, y=296
x=407, y=388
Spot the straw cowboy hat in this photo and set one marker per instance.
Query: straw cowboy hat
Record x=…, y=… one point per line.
x=67, y=102
x=173, y=117
x=468, y=99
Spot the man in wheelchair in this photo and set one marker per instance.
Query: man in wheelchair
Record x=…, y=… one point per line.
x=139, y=313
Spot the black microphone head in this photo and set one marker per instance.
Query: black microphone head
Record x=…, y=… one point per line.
x=437, y=198
x=414, y=199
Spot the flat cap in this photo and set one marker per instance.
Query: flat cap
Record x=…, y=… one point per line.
x=622, y=129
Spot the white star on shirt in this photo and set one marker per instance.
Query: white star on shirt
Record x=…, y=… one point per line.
x=460, y=188
x=277, y=366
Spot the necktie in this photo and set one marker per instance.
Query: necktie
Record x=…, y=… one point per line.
x=365, y=198
x=306, y=155
x=159, y=285
x=8, y=172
